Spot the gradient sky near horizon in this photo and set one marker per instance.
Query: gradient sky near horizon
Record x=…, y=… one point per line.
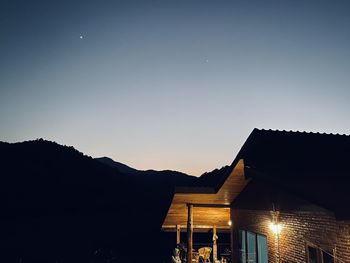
x=171, y=84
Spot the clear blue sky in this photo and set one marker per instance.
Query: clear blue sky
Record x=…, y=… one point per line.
x=171, y=84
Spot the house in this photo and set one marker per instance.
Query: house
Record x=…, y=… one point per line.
x=286, y=198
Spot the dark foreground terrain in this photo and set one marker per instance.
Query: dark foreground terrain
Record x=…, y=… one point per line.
x=58, y=205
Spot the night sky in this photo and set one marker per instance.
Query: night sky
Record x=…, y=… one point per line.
x=171, y=84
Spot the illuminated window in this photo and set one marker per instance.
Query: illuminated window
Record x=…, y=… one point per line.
x=252, y=247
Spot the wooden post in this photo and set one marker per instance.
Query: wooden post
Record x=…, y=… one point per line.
x=215, y=247
x=189, y=233
x=178, y=235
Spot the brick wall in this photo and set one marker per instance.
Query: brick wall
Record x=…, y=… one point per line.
x=317, y=227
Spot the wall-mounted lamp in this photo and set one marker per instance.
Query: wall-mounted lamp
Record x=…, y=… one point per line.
x=275, y=228
x=229, y=222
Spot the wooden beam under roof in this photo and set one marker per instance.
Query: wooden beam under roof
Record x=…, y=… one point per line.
x=209, y=205
x=209, y=208
x=198, y=228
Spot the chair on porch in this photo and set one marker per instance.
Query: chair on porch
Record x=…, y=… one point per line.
x=204, y=254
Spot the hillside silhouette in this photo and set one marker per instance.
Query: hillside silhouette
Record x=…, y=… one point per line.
x=59, y=205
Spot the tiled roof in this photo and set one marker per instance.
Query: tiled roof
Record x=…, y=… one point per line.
x=315, y=166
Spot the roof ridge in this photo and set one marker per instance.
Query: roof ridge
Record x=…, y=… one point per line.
x=301, y=132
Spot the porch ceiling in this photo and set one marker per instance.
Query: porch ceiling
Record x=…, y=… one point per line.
x=205, y=217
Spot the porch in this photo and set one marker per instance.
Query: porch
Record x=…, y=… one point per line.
x=207, y=210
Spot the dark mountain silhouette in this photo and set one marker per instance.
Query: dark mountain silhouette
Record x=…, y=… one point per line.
x=59, y=205
x=165, y=177
x=207, y=179
x=211, y=179
x=117, y=165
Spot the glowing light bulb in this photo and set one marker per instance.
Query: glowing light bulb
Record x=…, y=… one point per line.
x=276, y=228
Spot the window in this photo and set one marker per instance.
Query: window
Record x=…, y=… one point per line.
x=313, y=255
x=327, y=257
x=252, y=247
x=317, y=255
x=262, y=249
x=242, y=247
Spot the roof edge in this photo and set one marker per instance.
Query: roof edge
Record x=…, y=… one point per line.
x=236, y=160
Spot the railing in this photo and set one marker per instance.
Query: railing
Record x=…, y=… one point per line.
x=223, y=250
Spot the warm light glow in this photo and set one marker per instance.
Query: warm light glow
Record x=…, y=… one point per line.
x=276, y=228
x=230, y=223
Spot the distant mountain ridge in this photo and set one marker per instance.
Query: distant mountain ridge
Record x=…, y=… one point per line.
x=117, y=165
x=207, y=179
x=129, y=170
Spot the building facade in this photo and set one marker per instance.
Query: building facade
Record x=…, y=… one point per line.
x=287, y=195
